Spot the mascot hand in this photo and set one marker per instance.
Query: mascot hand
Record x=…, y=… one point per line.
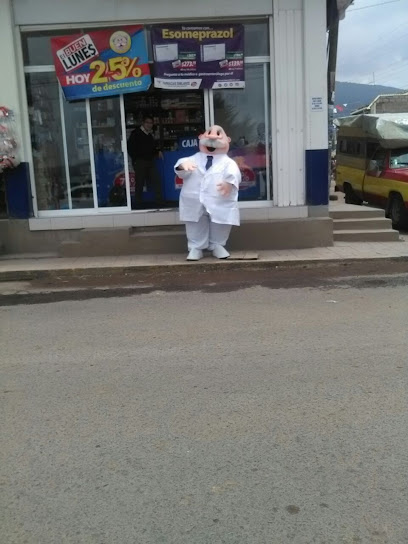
x=224, y=188
x=187, y=165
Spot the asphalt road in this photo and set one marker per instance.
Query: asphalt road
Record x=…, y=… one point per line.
x=245, y=415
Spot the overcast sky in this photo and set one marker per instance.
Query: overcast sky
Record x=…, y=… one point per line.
x=373, y=43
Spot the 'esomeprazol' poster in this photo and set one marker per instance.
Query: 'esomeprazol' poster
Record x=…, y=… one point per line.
x=198, y=57
x=102, y=63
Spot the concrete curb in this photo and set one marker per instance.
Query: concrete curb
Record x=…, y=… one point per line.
x=178, y=268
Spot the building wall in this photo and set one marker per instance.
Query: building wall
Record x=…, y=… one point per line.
x=9, y=84
x=18, y=191
x=288, y=134
x=391, y=104
x=298, y=65
x=80, y=11
x=315, y=104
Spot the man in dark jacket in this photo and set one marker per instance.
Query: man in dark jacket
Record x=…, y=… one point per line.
x=143, y=150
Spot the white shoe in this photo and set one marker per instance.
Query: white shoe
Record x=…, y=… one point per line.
x=195, y=255
x=220, y=252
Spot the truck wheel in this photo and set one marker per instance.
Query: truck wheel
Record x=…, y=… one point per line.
x=397, y=211
x=350, y=196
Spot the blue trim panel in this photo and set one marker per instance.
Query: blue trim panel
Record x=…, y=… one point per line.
x=317, y=177
x=18, y=192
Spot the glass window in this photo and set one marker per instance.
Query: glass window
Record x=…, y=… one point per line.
x=351, y=148
x=371, y=149
x=108, y=155
x=256, y=39
x=399, y=158
x=242, y=114
x=149, y=47
x=379, y=157
x=76, y=130
x=37, y=46
x=46, y=140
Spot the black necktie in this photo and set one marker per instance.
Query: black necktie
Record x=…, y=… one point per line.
x=209, y=162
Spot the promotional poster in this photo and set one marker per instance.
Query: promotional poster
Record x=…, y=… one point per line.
x=102, y=63
x=198, y=57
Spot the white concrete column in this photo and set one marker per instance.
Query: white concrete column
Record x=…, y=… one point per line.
x=315, y=105
x=315, y=64
x=288, y=103
x=9, y=84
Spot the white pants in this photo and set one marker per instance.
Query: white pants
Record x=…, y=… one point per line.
x=205, y=234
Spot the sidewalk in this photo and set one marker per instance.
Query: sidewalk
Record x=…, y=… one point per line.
x=33, y=266
x=23, y=267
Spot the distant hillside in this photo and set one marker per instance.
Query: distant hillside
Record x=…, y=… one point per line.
x=356, y=95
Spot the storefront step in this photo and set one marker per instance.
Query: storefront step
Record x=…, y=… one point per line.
x=250, y=236
x=376, y=223
x=126, y=241
x=351, y=211
x=373, y=235
x=278, y=234
x=108, y=236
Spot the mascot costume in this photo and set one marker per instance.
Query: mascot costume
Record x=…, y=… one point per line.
x=209, y=196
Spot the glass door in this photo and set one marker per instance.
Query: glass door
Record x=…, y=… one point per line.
x=178, y=118
x=244, y=114
x=108, y=153
x=47, y=142
x=80, y=192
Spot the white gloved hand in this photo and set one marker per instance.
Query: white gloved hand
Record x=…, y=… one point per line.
x=224, y=188
x=187, y=165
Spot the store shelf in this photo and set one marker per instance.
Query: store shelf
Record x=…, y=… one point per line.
x=175, y=114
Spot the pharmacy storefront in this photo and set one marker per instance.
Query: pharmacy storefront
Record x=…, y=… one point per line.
x=86, y=76
x=80, y=159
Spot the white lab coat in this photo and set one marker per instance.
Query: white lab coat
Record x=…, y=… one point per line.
x=199, y=193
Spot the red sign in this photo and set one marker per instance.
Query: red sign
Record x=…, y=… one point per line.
x=102, y=62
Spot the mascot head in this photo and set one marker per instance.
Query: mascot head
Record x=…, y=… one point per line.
x=214, y=141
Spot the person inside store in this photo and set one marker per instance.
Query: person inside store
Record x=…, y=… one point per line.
x=143, y=151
